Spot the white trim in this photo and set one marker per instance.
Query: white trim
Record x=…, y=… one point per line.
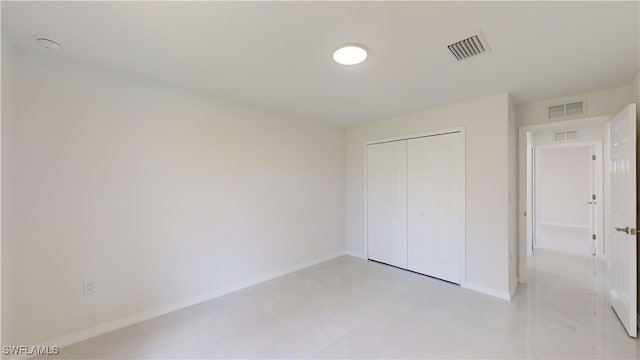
x=366, y=202
x=575, y=143
x=522, y=178
x=417, y=135
x=505, y=295
x=355, y=254
x=153, y=313
x=463, y=255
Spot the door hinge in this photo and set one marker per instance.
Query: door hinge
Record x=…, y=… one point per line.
x=594, y=236
x=593, y=197
x=593, y=157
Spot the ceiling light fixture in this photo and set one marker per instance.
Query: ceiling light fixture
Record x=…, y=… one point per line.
x=350, y=55
x=48, y=43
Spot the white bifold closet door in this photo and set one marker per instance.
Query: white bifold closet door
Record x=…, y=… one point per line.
x=436, y=205
x=387, y=202
x=415, y=204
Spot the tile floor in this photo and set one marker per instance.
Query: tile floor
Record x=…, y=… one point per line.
x=351, y=308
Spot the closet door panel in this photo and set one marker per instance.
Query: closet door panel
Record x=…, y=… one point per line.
x=435, y=205
x=387, y=203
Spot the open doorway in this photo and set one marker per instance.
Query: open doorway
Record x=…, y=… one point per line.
x=558, y=213
x=566, y=204
x=561, y=173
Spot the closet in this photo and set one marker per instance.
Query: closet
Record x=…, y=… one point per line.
x=415, y=204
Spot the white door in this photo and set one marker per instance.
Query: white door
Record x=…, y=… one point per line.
x=622, y=255
x=436, y=209
x=387, y=203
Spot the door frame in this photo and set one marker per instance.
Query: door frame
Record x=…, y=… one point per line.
x=461, y=130
x=523, y=256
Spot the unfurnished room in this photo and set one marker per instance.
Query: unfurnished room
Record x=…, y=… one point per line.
x=319, y=179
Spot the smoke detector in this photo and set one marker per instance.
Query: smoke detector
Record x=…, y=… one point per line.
x=48, y=43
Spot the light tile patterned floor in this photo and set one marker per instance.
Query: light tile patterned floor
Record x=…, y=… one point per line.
x=351, y=308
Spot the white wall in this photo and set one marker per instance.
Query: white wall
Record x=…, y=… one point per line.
x=601, y=102
x=564, y=185
x=7, y=117
x=157, y=194
x=486, y=123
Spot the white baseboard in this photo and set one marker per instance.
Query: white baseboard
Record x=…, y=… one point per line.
x=355, y=254
x=513, y=288
x=489, y=291
x=150, y=314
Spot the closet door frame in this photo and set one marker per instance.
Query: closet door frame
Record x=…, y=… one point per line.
x=463, y=186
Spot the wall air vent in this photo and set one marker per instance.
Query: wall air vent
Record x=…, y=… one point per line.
x=471, y=46
x=571, y=135
x=565, y=136
x=574, y=108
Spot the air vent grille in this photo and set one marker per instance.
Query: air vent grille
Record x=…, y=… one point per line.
x=571, y=135
x=557, y=111
x=574, y=108
x=566, y=136
x=468, y=47
x=560, y=137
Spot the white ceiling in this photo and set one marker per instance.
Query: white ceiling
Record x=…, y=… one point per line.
x=279, y=54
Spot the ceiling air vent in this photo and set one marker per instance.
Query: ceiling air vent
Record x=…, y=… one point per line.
x=471, y=46
x=574, y=108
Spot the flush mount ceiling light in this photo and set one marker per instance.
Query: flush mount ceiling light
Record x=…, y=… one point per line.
x=350, y=55
x=48, y=43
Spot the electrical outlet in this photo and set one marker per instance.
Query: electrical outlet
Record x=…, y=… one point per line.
x=88, y=287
